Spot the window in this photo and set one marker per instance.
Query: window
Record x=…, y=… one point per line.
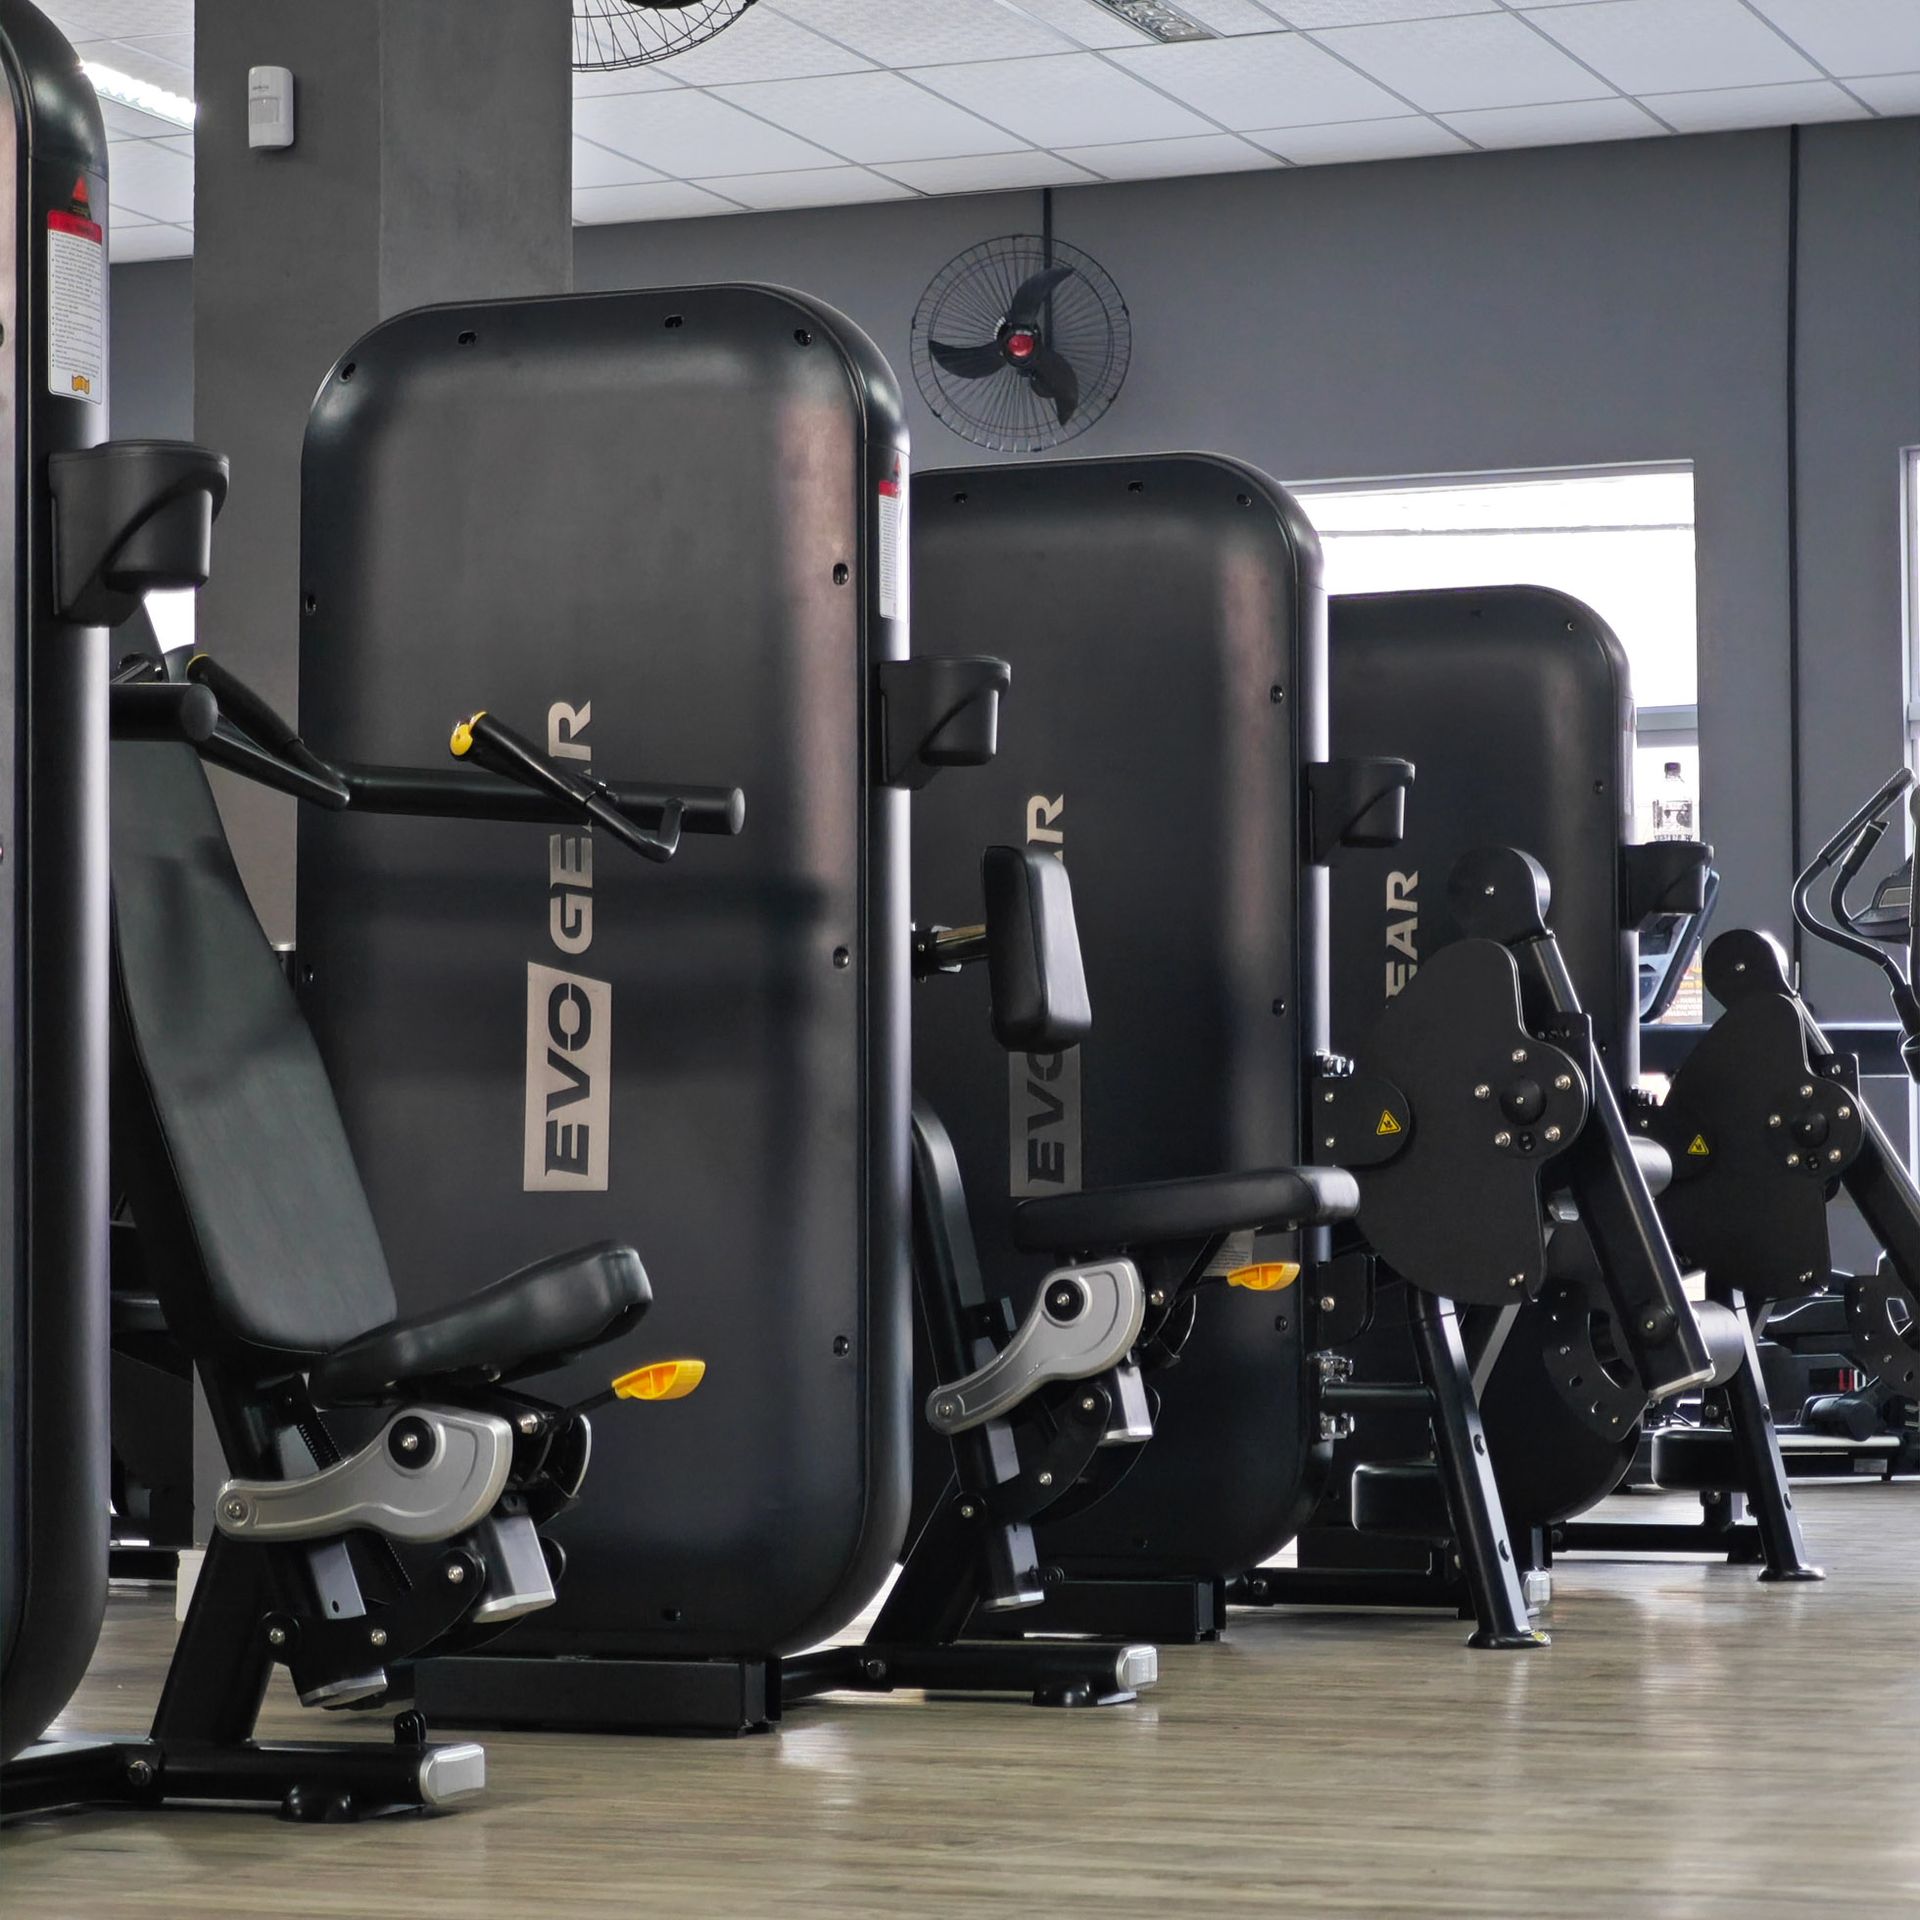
x=1620, y=539
x=172, y=617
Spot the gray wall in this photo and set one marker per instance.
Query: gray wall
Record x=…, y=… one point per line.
x=152, y=348
x=1618, y=302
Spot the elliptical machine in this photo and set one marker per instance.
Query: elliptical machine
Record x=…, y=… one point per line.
x=1766, y=1125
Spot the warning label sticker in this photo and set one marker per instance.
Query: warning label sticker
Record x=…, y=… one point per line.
x=76, y=308
x=1388, y=1124
x=893, y=543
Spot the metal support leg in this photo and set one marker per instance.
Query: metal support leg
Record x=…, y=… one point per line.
x=1466, y=1471
x=1751, y=1419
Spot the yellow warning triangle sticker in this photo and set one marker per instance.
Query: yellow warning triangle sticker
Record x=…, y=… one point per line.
x=1388, y=1124
x=1698, y=1147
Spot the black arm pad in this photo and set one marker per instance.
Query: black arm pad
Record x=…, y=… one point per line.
x=1157, y=1211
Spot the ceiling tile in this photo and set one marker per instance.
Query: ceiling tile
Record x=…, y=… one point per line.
x=1084, y=23
x=871, y=116
x=1890, y=93
x=596, y=167
x=1672, y=46
x=1164, y=159
x=1567, y=124
x=596, y=81
x=1362, y=13
x=687, y=134
x=987, y=173
x=1230, y=16
x=763, y=44
x=1850, y=37
x=809, y=187
x=1798, y=103
x=127, y=244
x=151, y=180
x=902, y=33
x=1396, y=139
x=1071, y=100
x=1470, y=61
x=118, y=19
x=669, y=200
x=129, y=123
x=133, y=58
x=176, y=49
x=1264, y=82
x=124, y=218
x=178, y=143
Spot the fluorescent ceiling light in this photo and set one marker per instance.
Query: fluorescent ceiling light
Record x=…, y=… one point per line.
x=129, y=92
x=1158, y=18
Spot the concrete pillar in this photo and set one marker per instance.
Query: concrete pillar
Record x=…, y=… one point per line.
x=432, y=162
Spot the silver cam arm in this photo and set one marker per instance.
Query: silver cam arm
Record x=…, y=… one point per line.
x=430, y=1473
x=1083, y=1321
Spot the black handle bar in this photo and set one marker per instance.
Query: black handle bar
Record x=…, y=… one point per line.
x=496, y=746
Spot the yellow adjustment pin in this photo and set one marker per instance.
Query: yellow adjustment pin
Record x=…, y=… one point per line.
x=1267, y=1277
x=661, y=1380
x=462, y=745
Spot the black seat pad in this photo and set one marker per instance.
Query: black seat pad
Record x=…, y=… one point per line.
x=1157, y=1211
x=529, y=1322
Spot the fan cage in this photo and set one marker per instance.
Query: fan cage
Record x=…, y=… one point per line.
x=964, y=305
x=608, y=34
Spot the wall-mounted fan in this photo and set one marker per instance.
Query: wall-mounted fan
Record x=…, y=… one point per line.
x=630, y=33
x=1021, y=342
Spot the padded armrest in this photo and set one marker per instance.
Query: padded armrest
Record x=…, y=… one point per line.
x=528, y=1323
x=1108, y=1218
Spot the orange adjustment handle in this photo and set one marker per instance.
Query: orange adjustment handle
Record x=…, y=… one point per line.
x=661, y=1380
x=1268, y=1277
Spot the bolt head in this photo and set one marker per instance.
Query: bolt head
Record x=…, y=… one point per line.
x=1518, y=1056
x=1563, y=1082
x=1806, y=1093
x=1326, y=1303
x=1516, y=1279
x=1773, y=1119
x=1553, y=1133
x=1844, y=1113
x=1503, y=1138
x=1833, y=1154
x=1046, y=1479
x=1328, y=1096
x=378, y=1636
x=140, y=1772
x=1158, y=1297
x=1329, y=1140
x=1483, y=1091
x=967, y=1510
x=1793, y=1159
x=455, y=1574
x=528, y=1423
x=1088, y=1403
x=410, y=1442
x=276, y=1636
x=233, y=1509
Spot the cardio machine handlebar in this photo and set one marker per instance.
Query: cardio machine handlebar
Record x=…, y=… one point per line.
x=1846, y=852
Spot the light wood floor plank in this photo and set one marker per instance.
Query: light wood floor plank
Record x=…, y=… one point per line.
x=1693, y=1745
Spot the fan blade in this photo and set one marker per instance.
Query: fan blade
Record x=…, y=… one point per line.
x=1031, y=295
x=967, y=363
x=1054, y=379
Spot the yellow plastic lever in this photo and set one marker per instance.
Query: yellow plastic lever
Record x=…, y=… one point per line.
x=1268, y=1277
x=661, y=1380
x=462, y=745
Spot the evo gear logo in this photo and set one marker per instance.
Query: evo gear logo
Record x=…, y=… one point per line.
x=1043, y=1089
x=1403, y=929
x=569, y=1016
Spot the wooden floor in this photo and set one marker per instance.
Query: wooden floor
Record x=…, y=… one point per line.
x=1693, y=1744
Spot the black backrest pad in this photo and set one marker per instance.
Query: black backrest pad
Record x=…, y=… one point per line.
x=1515, y=707
x=225, y=1127
x=1163, y=621
x=653, y=528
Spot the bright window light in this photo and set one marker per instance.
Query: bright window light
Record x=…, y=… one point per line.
x=139, y=94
